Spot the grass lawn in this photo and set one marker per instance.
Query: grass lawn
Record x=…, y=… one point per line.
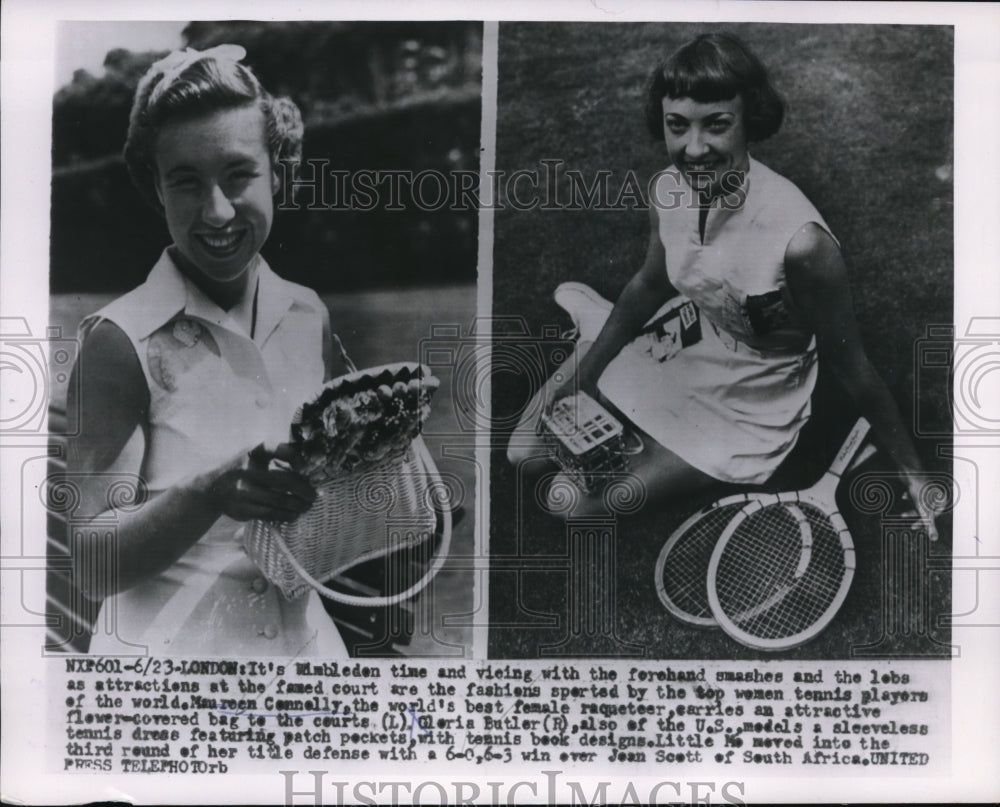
x=868, y=138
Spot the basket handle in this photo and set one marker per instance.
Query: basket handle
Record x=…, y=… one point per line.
x=425, y=459
x=351, y=366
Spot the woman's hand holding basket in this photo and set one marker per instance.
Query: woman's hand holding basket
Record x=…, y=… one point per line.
x=250, y=487
x=355, y=445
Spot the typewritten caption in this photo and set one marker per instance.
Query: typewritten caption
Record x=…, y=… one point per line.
x=172, y=716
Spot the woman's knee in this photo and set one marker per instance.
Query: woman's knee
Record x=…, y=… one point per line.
x=520, y=452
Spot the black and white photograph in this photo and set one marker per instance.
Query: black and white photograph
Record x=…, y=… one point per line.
x=250, y=329
x=499, y=403
x=733, y=237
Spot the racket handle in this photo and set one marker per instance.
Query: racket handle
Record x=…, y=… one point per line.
x=850, y=447
x=863, y=456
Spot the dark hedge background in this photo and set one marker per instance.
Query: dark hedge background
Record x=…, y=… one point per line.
x=374, y=96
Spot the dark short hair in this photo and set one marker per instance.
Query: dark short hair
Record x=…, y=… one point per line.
x=716, y=67
x=205, y=86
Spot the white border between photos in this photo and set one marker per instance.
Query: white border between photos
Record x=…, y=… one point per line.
x=26, y=79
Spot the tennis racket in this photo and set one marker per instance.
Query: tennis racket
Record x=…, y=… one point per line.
x=681, y=574
x=782, y=566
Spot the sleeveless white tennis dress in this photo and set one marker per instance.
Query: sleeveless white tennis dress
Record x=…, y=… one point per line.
x=732, y=402
x=213, y=393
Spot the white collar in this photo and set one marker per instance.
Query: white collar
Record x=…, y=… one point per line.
x=170, y=292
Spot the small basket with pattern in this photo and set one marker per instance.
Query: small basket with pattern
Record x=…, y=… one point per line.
x=585, y=440
x=378, y=488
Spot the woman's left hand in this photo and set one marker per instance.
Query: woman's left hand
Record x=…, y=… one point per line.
x=921, y=510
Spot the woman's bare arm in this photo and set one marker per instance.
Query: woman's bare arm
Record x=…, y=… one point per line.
x=109, y=398
x=644, y=294
x=817, y=280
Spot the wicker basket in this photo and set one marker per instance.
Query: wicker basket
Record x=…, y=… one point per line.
x=356, y=518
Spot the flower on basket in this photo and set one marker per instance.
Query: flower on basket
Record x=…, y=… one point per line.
x=363, y=419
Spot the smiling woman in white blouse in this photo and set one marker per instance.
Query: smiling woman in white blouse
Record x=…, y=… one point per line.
x=190, y=381
x=712, y=349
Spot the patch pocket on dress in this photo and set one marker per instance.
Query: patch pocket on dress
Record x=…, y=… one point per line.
x=178, y=349
x=667, y=335
x=765, y=313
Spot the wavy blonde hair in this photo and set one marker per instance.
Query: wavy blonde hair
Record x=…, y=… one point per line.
x=206, y=85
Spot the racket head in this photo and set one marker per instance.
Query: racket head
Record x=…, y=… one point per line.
x=681, y=574
x=762, y=589
x=682, y=566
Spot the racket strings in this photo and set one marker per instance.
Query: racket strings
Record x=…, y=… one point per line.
x=827, y=568
x=685, y=560
x=759, y=561
x=764, y=586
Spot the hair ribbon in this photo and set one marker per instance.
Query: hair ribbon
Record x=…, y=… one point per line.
x=176, y=62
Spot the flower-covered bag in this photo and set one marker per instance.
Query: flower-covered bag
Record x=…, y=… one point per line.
x=378, y=489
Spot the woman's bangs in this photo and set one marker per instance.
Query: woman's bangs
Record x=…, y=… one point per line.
x=701, y=82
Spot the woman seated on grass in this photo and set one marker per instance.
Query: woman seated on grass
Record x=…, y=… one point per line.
x=719, y=381
x=181, y=378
